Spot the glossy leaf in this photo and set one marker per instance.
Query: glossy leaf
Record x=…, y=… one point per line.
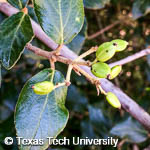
x=41, y=116
x=131, y=130
x=95, y=4
x=15, y=33
x=62, y=20
x=77, y=43
x=18, y=3
x=140, y=8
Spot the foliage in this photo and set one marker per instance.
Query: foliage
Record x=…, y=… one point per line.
x=90, y=116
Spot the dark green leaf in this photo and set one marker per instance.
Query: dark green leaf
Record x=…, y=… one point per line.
x=31, y=13
x=87, y=129
x=99, y=121
x=75, y=100
x=39, y=116
x=95, y=4
x=140, y=8
x=131, y=130
x=18, y=3
x=15, y=33
x=62, y=20
x=77, y=43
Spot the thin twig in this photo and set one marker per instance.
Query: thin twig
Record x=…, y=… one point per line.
x=90, y=37
x=90, y=51
x=68, y=76
x=70, y=67
x=89, y=77
x=131, y=58
x=59, y=85
x=121, y=143
x=58, y=49
x=52, y=62
x=69, y=61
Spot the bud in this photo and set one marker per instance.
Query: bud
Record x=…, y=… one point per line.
x=113, y=100
x=43, y=88
x=120, y=44
x=115, y=72
x=101, y=70
x=105, y=51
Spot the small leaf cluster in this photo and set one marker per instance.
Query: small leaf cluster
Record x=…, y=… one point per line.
x=102, y=70
x=105, y=52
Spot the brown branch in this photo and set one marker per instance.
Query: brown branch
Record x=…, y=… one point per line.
x=90, y=37
x=127, y=103
x=131, y=58
x=49, y=55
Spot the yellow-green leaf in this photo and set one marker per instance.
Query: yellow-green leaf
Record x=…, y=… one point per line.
x=113, y=100
x=115, y=72
x=101, y=70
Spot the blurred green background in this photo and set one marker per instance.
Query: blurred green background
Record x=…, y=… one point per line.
x=90, y=115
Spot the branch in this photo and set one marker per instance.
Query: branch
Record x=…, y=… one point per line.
x=131, y=58
x=127, y=103
x=90, y=37
x=49, y=55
